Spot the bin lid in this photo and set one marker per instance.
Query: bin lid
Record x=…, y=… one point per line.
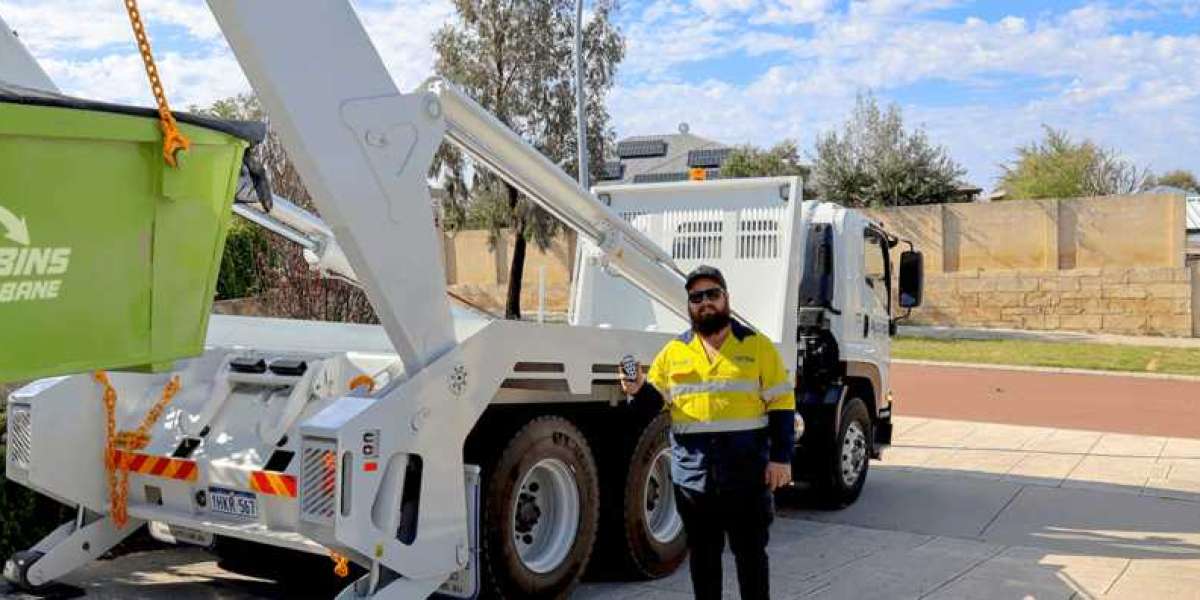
x=251, y=131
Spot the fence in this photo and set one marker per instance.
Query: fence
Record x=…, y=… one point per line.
x=478, y=270
x=1112, y=264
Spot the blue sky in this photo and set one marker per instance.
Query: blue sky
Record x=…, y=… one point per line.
x=981, y=77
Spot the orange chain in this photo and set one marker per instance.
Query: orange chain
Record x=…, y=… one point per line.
x=127, y=441
x=173, y=139
x=362, y=381
x=341, y=564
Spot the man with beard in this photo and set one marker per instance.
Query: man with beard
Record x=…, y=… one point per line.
x=732, y=434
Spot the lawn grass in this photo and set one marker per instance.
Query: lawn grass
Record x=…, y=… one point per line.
x=1102, y=357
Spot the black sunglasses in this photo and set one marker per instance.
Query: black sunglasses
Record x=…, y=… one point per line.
x=699, y=296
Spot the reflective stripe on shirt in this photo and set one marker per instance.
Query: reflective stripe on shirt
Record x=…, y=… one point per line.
x=720, y=426
x=713, y=386
x=769, y=394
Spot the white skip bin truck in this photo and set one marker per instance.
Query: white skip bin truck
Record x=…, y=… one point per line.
x=444, y=452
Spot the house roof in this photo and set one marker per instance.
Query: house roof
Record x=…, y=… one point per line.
x=662, y=156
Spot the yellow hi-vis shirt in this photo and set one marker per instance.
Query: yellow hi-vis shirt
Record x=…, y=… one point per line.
x=733, y=392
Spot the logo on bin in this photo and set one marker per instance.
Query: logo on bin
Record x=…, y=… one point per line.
x=28, y=272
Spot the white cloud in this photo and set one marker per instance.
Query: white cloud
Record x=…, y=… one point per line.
x=189, y=80
x=87, y=46
x=778, y=12
x=658, y=47
x=1095, y=68
x=48, y=26
x=402, y=34
x=720, y=7
x=1133, y=91
x=882, y=8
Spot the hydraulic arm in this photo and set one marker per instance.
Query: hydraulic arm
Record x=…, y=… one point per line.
x=364, y=150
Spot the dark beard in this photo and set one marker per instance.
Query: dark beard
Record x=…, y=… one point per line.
x=710, y=323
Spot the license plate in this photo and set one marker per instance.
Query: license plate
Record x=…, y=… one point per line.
x=235, y=503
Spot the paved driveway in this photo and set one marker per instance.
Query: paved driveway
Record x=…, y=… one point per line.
x=956, y=510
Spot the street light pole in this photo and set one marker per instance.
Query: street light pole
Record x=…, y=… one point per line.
x=580, y=109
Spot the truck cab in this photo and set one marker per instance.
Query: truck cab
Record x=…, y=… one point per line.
x=818, y=279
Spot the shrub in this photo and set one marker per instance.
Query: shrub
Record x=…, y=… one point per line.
x=25, y=516
x=240, y=275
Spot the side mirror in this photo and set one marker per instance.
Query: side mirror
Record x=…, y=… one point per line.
x=912, y=278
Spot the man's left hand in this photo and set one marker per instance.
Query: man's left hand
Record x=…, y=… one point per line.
x=778, y=475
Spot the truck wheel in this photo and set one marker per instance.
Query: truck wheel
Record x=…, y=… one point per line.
x=652, y=542
x=540, y=507
x=842, y=466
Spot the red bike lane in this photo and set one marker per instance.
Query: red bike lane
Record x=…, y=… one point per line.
x=1115, y=403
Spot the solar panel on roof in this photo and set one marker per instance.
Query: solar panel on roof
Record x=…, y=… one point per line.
x=613, y=170
x=641, y=148
x=713, y=157
x=659, y=177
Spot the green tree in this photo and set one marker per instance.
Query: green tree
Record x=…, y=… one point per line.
x=1179, y=178
x=780, y=160
x=514, y=57
x=874, y=161
x=1059, y=167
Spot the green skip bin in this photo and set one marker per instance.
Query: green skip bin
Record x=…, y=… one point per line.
x=108, y=257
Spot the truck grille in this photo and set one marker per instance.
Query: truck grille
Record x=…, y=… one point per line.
x=318, y=480
x=20, y=436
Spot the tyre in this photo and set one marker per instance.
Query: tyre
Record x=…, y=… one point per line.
x=541, y=502
x=644, y=533
x=841, y=466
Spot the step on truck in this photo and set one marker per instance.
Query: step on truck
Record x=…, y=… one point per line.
x=446, y=452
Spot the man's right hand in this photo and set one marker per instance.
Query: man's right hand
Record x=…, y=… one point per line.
x=631, y=387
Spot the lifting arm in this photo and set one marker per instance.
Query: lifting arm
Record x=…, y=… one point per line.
x=305, y=229
x=364, y=151
x=479, y=134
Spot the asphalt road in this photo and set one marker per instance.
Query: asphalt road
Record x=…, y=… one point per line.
x=1115, y=403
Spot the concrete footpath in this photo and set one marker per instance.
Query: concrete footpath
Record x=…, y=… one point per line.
x=956, y=510
x=971, y=510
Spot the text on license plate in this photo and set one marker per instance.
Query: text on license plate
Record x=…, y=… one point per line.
x=233, y=502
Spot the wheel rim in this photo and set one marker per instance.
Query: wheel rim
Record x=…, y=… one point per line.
x=545, y=515
x=854, y=453
x=662, y=519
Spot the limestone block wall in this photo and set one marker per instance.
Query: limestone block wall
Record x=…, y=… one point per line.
x=1113, y=264
x=1135, y=301
x=478, y=271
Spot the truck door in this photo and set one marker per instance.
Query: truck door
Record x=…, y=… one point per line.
x=876, y=294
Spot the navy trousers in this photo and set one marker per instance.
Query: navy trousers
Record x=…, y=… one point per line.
x=742, y=515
